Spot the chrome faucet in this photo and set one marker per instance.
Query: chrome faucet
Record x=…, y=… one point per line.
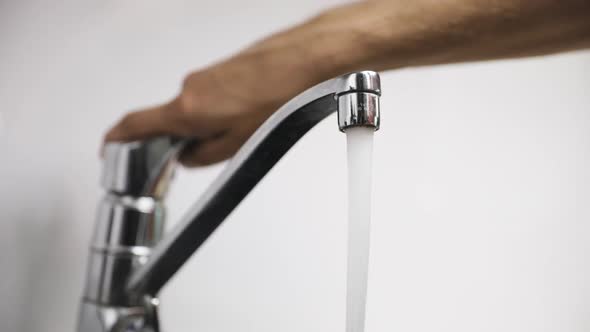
x=130, y=258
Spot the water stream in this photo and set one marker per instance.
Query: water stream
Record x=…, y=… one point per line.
x=360, y=154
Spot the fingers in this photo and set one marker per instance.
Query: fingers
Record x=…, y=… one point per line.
x=146, y=123
x=211, y=151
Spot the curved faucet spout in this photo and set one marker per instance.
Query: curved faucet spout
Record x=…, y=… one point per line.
x=356, y=98
x=130, y=260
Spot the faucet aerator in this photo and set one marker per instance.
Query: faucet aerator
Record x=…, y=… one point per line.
x=360, y=109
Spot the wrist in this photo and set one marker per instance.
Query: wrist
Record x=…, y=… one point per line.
x=277, y=68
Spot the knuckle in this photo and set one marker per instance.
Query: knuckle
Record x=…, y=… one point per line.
x=187, y=103
x=186, y=82
x=126, y=122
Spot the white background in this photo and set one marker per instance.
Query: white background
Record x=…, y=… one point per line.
x=481, y=215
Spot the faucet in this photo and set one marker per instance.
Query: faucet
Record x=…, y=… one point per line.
x=131, y=258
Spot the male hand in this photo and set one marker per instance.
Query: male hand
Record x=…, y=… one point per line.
x=220, y=113
x=223, y=105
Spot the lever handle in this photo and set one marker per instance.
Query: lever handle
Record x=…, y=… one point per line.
x=141, y=168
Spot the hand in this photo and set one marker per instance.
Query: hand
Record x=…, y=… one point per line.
x=220, y=106
x=224, y=104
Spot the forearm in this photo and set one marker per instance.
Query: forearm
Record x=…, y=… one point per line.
x=435, y=32
x=384, y=35
x=223, y=104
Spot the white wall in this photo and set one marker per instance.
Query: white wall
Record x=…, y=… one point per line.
x=481, y=214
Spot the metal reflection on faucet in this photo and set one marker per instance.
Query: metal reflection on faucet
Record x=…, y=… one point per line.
x=130, y=259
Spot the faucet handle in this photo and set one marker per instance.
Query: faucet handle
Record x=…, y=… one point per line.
x=141, y=168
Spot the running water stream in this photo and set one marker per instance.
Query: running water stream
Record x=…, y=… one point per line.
x=360, y=154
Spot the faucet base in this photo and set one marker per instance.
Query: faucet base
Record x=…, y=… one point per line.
x=94, y=317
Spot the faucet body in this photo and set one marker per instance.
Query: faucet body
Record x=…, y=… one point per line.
x=130, y=259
